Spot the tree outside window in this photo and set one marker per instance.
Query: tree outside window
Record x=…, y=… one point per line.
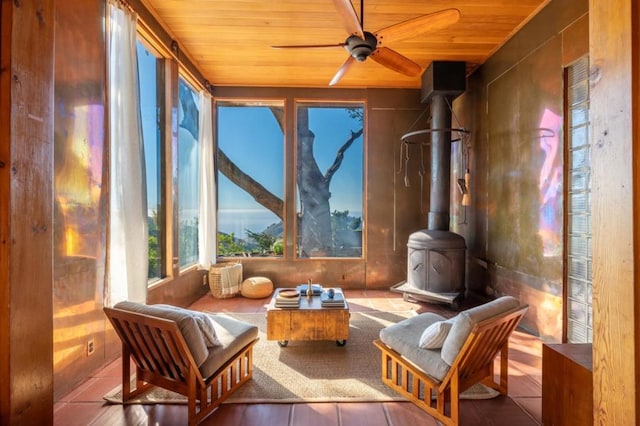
x=250, y=158
x=329, y=178
x=188, y=183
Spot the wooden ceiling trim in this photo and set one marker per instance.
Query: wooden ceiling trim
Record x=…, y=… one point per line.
x=163, y=42
x=230, y=40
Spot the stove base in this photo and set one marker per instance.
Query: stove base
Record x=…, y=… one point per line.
x=451, y=299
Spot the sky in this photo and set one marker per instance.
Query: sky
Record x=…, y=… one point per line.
x=252, y=139
x=148, y=109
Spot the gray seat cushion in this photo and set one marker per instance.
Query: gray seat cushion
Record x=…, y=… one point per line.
x=465, y=321
x=186, y=322
x=403, y=337
x=233, y=336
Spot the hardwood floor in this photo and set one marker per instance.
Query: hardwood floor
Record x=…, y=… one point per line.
x=84, y=405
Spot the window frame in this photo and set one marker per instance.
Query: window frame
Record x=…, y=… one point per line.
x=568, y=298
x=161, y=105
x=255, y=102
x=172, y=70
x=194, y=264
x=338, y=103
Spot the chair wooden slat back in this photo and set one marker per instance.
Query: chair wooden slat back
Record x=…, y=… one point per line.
x=485, y=341
x=162, y=358
x=474, y=364
x=156, y=346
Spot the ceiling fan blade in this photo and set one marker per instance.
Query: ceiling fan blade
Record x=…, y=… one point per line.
x=416, y=26
x=342, y=70
x=309, y=46
x=395, y=61
x=349, y=17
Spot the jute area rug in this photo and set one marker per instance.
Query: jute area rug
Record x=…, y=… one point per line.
x=311, y=371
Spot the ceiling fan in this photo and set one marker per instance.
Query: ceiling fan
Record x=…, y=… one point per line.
x=362, y=44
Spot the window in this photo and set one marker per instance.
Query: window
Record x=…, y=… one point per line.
x=578, y=233
x=329, y=179
x=328, y=173
x=188, y=182
x=250, y=158
x=151, y=101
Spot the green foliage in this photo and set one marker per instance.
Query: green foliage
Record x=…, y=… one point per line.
x=264, y=240
x=278, y=247
x=228, y=245
x=356, y=113
x=346, y=234
x=155, y=260
x=341, y=221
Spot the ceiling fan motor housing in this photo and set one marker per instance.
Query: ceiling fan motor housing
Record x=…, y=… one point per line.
x=361, y=49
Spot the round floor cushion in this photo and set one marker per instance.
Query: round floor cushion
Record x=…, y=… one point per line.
x=256, y=287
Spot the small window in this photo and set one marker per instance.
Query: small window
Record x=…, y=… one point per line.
x=250, y=158
x=151, y=101
x=329, y=178
x=188, y=168
x=578, y=272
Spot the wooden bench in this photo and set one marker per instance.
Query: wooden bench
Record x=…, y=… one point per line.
x=424, y=378
x=164, y=344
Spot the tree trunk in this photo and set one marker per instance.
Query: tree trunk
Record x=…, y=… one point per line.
x=314, y=219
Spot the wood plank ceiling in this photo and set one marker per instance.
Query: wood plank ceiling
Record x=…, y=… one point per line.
x=230, y=40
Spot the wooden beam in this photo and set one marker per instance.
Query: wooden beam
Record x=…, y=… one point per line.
x=26, y=212
x=6, y=14
x=614, y=74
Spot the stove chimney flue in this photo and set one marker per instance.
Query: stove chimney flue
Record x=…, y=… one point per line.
x=442, y=82
x=440, y=164
x=446, y=78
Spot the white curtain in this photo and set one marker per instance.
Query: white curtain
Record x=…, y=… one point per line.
x=128, y=239
x=207, y=203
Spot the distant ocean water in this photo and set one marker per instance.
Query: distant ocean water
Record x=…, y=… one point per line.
x=238, y=221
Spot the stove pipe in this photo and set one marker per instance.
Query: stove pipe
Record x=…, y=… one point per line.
x=440, y=164
x=442, y=82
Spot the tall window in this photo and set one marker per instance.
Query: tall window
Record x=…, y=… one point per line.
x=188, y=165
x=250, y=159
x=151, y=100
x=329, y=178
x=578, y=246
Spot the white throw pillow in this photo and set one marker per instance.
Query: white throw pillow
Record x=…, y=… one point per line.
x=433, y=337
x=207, y=328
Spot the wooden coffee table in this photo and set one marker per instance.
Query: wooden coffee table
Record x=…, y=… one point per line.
x=310, y=321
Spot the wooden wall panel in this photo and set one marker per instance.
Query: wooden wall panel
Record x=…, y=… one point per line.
x=575, y=41
x=26, y=233
x=6, y=15
x=516, y=150
x=614, y=54
x=80, y=202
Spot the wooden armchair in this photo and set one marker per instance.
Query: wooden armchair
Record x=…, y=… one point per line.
x=169, y=351
x=434, y=378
